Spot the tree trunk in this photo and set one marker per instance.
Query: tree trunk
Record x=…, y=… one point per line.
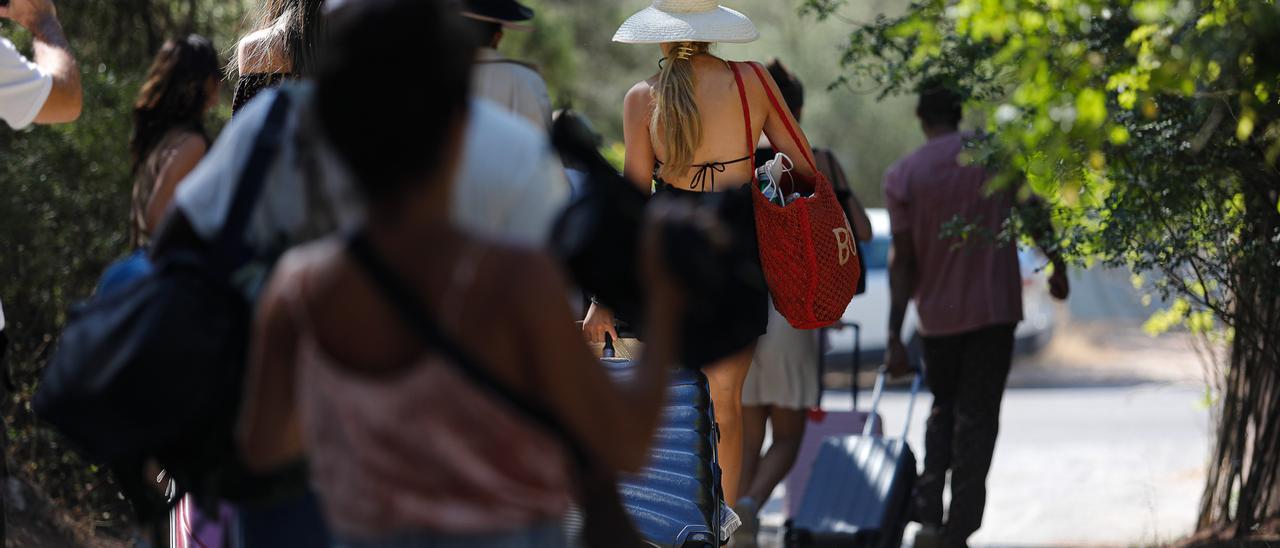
x=1243, y=488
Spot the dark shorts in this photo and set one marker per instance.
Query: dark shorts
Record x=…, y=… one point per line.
x=296, y=521
x=731, y=311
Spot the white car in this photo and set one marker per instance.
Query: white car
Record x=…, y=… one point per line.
x=870, y=310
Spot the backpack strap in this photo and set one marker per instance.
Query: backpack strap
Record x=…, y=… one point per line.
x=230, y=250
x=746, y=113
x=786, y=120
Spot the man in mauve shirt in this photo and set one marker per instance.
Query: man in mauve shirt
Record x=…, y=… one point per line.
x=968, y=294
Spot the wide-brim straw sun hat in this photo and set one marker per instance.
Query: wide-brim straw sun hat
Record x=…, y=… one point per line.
x=686, y=21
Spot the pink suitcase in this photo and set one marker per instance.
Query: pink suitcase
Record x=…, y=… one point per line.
x=827, y=422
x=191, y=528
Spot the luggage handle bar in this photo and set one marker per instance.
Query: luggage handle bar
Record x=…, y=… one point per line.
x=881, y=374
x=856, y=358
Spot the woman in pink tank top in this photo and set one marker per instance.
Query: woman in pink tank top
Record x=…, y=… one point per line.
x=405, y=448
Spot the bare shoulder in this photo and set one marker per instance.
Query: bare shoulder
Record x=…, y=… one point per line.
x=180, y=155
x=642, y=91
x=756, y=76
x=302, y=260
x=639, y=99
x=190, y=144
x=258, y=52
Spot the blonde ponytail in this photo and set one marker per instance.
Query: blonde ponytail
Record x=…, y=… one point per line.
x=676, y=122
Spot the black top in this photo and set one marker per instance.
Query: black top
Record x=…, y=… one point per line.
x=705, y=171
x=728, y=306
x=250, y=85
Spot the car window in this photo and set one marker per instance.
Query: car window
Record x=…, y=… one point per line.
x=876, y=253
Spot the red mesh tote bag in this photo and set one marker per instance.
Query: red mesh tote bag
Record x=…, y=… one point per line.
x=807, y=248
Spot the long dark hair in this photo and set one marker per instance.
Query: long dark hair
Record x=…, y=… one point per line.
x=790, y=86
x=174, y=94
x=302, y=21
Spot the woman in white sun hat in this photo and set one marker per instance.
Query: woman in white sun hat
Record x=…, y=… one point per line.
x=693, y=129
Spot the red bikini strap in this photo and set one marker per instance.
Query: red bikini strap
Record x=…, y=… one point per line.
x=746, y=113
x=777, y=107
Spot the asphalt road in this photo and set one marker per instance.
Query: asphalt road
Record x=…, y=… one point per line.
x=1104, y=433
x=1092, y=465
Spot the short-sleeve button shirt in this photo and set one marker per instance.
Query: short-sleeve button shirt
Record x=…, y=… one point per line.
x=512, y=85
x=961, y=285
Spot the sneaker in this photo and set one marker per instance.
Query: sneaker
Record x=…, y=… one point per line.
x=745, y=537
x=729, y=522
x=929, y=536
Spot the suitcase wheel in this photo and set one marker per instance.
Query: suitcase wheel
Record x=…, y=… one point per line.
x=700, y=540
x=795, y=538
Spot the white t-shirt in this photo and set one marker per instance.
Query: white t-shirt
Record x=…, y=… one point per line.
x=510, y=188
x=289, y=201
x=292, y=208
x=512, y=85
x=23, y=87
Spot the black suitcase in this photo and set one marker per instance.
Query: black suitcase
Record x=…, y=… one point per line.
x=860, y=488
x=675, y=500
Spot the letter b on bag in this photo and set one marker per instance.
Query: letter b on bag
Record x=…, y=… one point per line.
x=844, y=239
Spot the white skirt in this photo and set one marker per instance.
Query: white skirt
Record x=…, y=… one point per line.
x=784, y=371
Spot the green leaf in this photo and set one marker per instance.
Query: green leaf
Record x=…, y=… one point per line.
x=1118, y=135
x=1150, y=10
x=1244, y=128
x=1091, y=108
x=1200, y=322
x=1162, y=321
x=1141, y=34
x=1127, y=99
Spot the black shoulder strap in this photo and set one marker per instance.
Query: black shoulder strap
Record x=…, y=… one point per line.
x=230, y=250
x=411, y=311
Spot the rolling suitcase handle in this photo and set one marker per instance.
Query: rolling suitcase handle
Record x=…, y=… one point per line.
x=875, y=401
x=856, y=358
x=608, y=351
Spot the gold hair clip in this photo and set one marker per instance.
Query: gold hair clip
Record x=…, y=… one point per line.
x=684, y=51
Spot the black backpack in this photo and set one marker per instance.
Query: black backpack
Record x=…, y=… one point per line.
x=154, y=371
x=597, y=236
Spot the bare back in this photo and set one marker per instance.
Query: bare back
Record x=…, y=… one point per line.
x=531, y=346
x=724, y=130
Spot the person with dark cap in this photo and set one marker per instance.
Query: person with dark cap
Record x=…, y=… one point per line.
x=515, y=200
x=512, y=84
x=968, y=295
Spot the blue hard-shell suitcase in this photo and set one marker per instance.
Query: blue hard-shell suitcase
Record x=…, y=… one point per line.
x=860, y=488
x=675, y=500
